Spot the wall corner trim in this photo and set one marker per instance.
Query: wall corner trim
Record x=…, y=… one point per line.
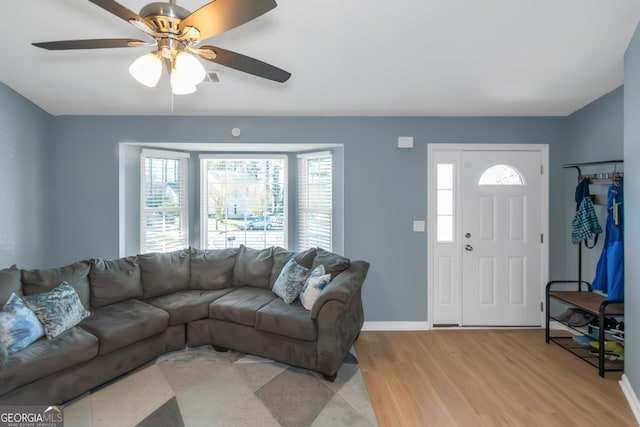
x=396, y=326
x=631, y=396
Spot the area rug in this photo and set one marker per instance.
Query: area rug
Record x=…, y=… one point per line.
x=203, y=387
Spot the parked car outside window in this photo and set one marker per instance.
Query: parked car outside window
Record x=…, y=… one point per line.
x=256, y=223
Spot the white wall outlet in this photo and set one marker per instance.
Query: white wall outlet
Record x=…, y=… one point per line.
x=405, y=142
x=418, y=226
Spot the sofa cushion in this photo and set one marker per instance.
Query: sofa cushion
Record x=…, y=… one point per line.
x=45, y=357
x=240, y=306
x=281, y=256
x=188, y=305
x=19, y=326
x=10, y=283
x=253, y=267
x=289, y=320
x=126, y=322
x=212, y=269
x=290, y=281
x=76, y=274
x=114, y=280
x=4, y=355
x=164, y=273
x=58, y=310
x=334, y=264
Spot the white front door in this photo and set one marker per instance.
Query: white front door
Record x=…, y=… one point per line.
x=501, y=238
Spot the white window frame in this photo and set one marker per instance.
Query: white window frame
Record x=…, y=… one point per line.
x=303, y=240
x=182, y=210
x=204, y=191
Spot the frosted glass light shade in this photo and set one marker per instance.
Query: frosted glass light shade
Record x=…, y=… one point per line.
x=189, y=68
x=147, y=69
x=179, y=86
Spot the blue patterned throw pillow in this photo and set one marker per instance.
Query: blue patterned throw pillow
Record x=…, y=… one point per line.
x=19, y=326
x=58, y=310
x=290, y=281
x=315, y=283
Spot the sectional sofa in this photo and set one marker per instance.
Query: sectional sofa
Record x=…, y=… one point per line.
x=146, y=305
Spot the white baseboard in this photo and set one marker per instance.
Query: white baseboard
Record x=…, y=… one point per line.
x=395, y=326
x=631, y=396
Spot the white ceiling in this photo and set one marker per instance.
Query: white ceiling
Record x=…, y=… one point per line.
x=347, y=57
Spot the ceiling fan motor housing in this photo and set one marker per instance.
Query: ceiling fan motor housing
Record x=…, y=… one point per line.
x=165, y=16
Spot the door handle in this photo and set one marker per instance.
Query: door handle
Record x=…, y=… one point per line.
x=468, y=248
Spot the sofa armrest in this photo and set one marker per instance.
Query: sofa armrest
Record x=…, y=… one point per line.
x=343, y=287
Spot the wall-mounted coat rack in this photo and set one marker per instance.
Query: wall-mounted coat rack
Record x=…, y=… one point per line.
x=603, y=178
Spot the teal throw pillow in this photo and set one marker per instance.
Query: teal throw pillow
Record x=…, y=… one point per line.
x=290, y=281
x=58, y=310
x=19, y=326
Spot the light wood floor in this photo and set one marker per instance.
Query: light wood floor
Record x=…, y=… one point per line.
x=485, y=378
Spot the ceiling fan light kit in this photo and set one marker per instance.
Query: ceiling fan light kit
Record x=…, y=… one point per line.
x=147, y=69
x=177, y=33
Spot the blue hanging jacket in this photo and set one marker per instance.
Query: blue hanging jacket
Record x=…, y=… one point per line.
x=610, y=270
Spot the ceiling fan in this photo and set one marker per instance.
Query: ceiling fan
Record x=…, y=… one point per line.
x=176, y=34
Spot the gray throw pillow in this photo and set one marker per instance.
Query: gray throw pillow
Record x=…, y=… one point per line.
x=10, y=283
x=115, y=281
x=76, y=274
x=4, y=355
x=253, y=267
x=164, y=273
x=290, y=281
x=58, y=310
x=333, y=263
x=212, y=269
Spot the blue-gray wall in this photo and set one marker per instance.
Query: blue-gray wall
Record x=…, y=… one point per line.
x=594, y=133
x=385, y=188
x=23, y=128
x=74, y=214
x=632, y=206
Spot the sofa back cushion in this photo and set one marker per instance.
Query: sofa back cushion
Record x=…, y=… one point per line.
x=115, y=280
x=212, y=269
x=334, y=264
x=10, y=283
x=164, y=273
x=281, y=256
x=253, y=267
x=44, y=280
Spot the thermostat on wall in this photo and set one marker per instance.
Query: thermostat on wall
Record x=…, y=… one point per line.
x=405, y=142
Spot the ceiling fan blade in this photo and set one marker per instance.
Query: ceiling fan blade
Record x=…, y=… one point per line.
x=92, y=44
x=244, y=63
x=222, y=15
x=126, y=14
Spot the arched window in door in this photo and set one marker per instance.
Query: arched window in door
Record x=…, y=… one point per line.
x=501, y=175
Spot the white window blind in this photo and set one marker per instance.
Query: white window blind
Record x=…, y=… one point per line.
x=315, y=194
x=164, y=201
x=243, y=200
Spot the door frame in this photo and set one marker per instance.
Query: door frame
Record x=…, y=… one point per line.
x=455, y=151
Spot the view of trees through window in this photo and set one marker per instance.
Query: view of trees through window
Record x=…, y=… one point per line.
x=243, y=201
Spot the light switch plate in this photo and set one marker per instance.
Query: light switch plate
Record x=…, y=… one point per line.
x=418, y=226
